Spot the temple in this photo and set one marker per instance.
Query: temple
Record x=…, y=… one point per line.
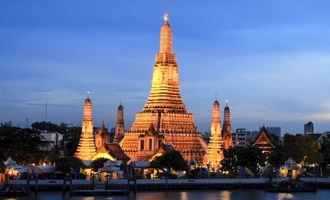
x=86, y=149
x=120, y=124
x=227, y=129
x=164, y=119
x=92, y=147
x=214, y=151
x=264, y=141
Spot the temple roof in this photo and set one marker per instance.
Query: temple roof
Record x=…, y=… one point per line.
x=116, y=151
x=264, y=137
x=88, y=100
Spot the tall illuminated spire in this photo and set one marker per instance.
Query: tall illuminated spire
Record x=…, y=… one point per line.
x=165, y=110
x=166, y=39
x=165, y=87
x=214, y=152
x=227, y=129
x=86, y=148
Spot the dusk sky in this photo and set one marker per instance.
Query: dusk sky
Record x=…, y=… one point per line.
x=269, y=59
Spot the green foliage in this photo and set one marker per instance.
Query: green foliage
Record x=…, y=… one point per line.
x=301, y=148
x=71, y=137
x=277, y=156
x=325, y=150
x=169, y=160
x=50, y=127
x=2, y=167
x=249, y=156
x=68, y=164
x=20, y=144
x=98, y=163
x=325, y=155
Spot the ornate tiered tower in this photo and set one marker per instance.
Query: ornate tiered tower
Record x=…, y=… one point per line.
x=86, y=148
x=165, y=108
x=214, y=152
x=227, y=128
x=120, y=124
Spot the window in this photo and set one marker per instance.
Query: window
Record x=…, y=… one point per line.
x=141, y=145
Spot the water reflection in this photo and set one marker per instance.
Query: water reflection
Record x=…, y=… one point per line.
x=225, y=195
x=285, y=196
x=190, y=195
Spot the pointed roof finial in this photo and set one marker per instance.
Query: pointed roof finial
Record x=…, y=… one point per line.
x=166, y=18
x=103, y=125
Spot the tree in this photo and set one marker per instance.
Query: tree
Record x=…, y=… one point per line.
x=277, y=156
x=301, y=148
x=23, y=145
x=2, y=167
x=169, y=160
x=71, y=138
x=48, y=126
x=250, y=157
x=68, y=164
x=325, y=155
x=98, y=163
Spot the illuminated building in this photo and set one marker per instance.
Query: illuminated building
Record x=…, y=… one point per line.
x=214, y=151
x=102, y=138
x=165, y=110
x=105, y=149
x=120, y=124
x=86, y=149
x=264, y=141
x=227, y=128
x=92, y=148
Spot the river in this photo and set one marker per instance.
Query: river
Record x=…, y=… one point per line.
x=191, y=195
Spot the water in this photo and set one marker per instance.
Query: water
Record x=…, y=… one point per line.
x=192, y=195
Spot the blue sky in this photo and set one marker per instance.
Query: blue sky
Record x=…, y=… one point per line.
x=269, y=59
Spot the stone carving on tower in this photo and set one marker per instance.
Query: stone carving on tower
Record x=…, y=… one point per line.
x=86, y=149
x=227, y=129
x=120, y=125
x=215, y=152
x=165, y=108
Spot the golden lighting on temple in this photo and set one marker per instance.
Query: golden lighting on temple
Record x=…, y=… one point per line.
x=86, y=148
x=214, y=152
x=165, y=110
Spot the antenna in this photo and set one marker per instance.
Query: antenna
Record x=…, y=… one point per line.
x=46, y=111
x=27, y=122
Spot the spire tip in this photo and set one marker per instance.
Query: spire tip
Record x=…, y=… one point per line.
x=166, y=18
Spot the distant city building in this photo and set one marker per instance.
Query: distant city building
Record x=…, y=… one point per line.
x=214, y=151
x=227, y=129
x=52, y=140
x=309, y=128
x=240, y=137
x=274, y=131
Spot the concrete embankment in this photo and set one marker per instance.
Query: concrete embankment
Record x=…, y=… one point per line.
x=163, y=184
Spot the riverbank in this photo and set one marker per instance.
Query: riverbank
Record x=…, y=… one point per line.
x=160, y=184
